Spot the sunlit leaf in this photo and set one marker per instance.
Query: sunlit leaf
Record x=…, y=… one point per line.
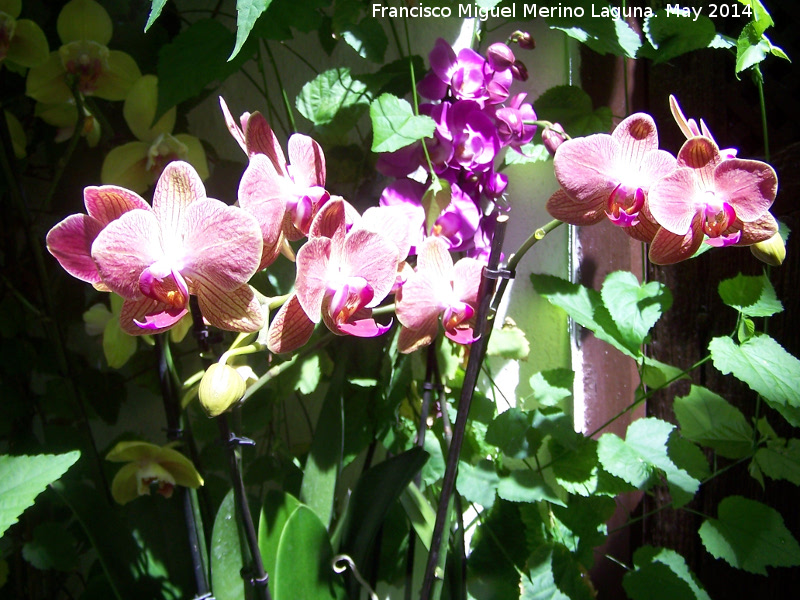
x=598, y=28
x=752, y=296
x=247, y=13
x=634, y=307
x=661, y=574
x=780, y=459
x=478, y=483
x=394, y=124
x=710, y=420
x=670, y=36
x=572, y=107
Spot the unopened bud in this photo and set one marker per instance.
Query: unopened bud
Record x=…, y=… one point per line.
x=500, y=56
x=553, y=137
x=519, y=71
x=524, y=39
x=771, y=251
x=220, y=388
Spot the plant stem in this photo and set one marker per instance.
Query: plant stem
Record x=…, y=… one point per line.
x=431, y=584
x=286, y=103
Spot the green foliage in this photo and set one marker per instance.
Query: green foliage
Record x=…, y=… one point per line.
x=572, y=107
x=226, y=553
x=333, y=101
x=669, y=36
x=478, y=483
x=780, y=459
x=753, y=296
x=661, y=574
x=247, y=12
x=749, y=535
x=394, y=124
x=52, y=547
x=599, y=28
x=22, y=478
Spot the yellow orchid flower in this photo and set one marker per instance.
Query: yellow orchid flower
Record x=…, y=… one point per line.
x=22, y=42
x=85, y=29
x=150, y=465
x=137, y=165
x=64, y=116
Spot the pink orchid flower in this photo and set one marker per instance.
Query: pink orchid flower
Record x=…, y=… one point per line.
x=724, y=199
x=438, y=288
x=690, y=128
x=300, y=182
x=611, y=175
x=342, y=275
x=186, y=244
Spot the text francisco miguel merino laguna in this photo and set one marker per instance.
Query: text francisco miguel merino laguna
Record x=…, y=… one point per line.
x=469, y=11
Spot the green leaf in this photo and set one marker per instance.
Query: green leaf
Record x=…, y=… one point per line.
x=498, y=551
x=657, y=374
x=576, y=469
x=529, y=153
x=509, y=341
x=572, y=107
x=303, y=565
x=750, y=535
x=710, y=420
x=367, y=38
x=278, y=507
x=526, y=486
x=420, y=512
x=52, y=547
x=22, y=478
x=661, y=574
x=761, y=17
x=751, y=48
x=761, y=363
x=753, y=296
x=478, y=483
x=434, y=469
x=226, y=553
x=585, y=306
x=780, y=460
x=155, y=11
x=550, y=387
x=333, y=99
x=635, y=308
x=247, y=13
x=554, y=574
x=196, y=57
x=435, y=199
x=394, y=124
x=670, y=35
x=599, y=28
x=511, y=432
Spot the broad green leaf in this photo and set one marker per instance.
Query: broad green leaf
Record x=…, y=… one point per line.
x=247, y=13
x=478, y=483
x=657, y=374
x=642, y=453
x=394, y=77
x=528, y=153
x=761, y=17
x=511, y=432
x=226, y=553
x=22, y=478
x=155, y=11
x=509, y=341
x=52, y=547
x=661, y=574
x=526, y=486
x=635, y=308
x=753, y=296
x=552, y=386
x=780, y=459
x=394, y=124
x=749, y=535
x=499, y=550
x=585, y=306
x=434, y=469
x=367, y=38
x=278, y=507
x=333, y=99
x=763, y=364
x=751, y=48
x=670, y=36
x=303, y=565
x=552, y=573
x=572, y=107
x=710, y=420
x=599, y=28
x=576, y=469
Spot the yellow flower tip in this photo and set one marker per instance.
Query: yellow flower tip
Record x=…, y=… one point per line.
x=771, y=251
x=221, y=387
x=84, y=20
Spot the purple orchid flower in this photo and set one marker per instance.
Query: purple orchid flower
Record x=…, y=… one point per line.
x=725, y=199
x=474, y=136
x=438, y=288
x=513, y=122
x=186, y=244
x=610, y=174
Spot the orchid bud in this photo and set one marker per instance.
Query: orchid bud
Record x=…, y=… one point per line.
x=524, y=39
x=220, y=388
x=553, y=137
x=500, y=56
x=771, y=251
x=519, y=71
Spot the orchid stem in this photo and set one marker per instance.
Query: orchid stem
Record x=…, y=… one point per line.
x=434, y=569
x=286, y=103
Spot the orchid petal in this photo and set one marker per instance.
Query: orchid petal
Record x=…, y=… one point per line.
x=584, y=167
x=70, y=242
x=393, y=222
x=162, y=320
x=178, y=186
x=126, y=166
x=108, y=202
x=373, y=257
x=261, y=181
x=421, y=300
x=749, y=186
x=461, y=335
x=312, y=275
x=195, y=153
x=234, y=129
x=467, y=274
x=290, y=329
x=564, y=208
x=668, y=248
x=125, y=485
x=672, y=200
x=84, y=20
x=434, y=256
x=115, y=82
x=307, y=161
x=702, y=155
x=134, y=311
x=139, y=110
x=412, y=339
x=756, y=231
x=29, y=46
x=260, y=139
x=46, y=83
x=361, y=324
x=330, y=219
x=236, y=310
x=636, y=135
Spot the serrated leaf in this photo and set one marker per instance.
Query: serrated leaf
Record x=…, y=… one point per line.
x=576, y=469
x=761, y=17
x=635, y=308
x=753, y=296
x=550, y=387
x=478, y=483
x=572, y=107
x=585, y=306
x=22, y=478
x=554, y=574
x=598, y=28
x=155, y=11
x=333, y=97
x=780, y=459
x=749, y=535
x=394, y=124
x=763, y=364
x=52, y=547
x=526, y=486
x=710, y=420
x=509, y=341
x=751, y=48
x=670, y=36
x=528, y=153
x=657, y=374
x=247, y=13
x=511, y=432
x=661, y=574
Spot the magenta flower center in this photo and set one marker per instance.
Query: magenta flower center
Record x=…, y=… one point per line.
x=457, y=313
x=350, y=296
x=717, y=216
x=165, y=285
x=624, y=204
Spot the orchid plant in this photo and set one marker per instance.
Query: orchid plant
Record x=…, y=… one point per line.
x=314, y=327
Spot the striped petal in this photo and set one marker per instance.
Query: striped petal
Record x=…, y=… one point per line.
x=178, y=186
x=307, y=161
x=108, y=202
x=70, y=242
x=290, y=329
x=236, y=310
x=668, y=248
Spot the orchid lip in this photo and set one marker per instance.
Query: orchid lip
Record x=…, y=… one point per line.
x=718, y=219
x=624, y=205
x=350, y=296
